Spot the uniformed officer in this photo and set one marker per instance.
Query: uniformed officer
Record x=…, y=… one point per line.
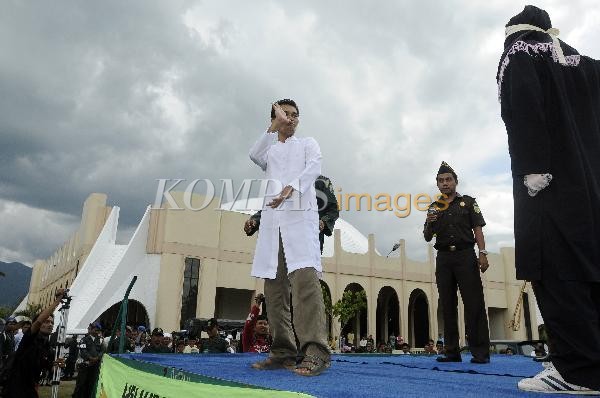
x=215, y=344
x=90, y=349
x=156, y=345
x=456, y=222
x=328, y=211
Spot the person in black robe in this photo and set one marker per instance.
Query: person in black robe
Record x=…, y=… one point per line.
x=550, y=104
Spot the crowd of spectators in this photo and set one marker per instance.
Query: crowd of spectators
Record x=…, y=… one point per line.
x=27, y=349
x=394, y=344
x=30, y=344
x=138, y=340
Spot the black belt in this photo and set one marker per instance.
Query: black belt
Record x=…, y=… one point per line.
x=455, y=248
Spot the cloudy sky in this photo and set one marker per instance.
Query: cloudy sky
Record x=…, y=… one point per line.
x=110, y=96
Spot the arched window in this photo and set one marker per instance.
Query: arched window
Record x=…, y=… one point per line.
x=189, y=293
x=418, y=319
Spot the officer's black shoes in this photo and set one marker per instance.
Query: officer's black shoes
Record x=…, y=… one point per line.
x=480, y=360
x=449, y=359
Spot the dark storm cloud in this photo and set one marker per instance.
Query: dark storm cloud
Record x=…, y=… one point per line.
x=110, y=96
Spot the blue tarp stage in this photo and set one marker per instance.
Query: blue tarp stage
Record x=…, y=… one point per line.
x=365, y=375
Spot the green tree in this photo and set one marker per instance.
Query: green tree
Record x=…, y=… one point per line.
x=5, y=312
x=349, y=306
x=30, y=311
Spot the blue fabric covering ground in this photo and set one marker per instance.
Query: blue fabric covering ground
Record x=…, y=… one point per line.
x=367, y=375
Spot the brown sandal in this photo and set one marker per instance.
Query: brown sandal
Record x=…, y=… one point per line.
x=273, y=363
x=312, y=365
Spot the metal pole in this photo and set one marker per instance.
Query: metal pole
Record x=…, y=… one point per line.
x=114, y=329
x=124, y=315
x=61, y=332
x=121, y=319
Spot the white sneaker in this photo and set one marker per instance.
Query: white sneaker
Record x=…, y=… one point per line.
x=547, y=364
x=549, y=381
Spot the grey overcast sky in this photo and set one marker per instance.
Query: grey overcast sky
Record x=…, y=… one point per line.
x=110, y=96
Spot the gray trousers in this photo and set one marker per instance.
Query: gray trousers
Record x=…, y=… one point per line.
x=309, y=312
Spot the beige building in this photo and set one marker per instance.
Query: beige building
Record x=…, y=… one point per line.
x=60, y=269
x=197, y=264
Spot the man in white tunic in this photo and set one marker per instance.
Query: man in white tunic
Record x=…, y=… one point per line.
x=287, y=251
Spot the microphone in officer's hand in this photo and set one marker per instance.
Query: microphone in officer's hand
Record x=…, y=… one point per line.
x=394, y=248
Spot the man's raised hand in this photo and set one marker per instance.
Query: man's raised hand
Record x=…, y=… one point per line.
x=60, y=293
x=280, y=120
x=280, y=114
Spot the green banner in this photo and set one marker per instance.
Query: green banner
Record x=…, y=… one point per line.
x=118, y=380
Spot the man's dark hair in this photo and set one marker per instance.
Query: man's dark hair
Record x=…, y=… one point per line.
x=285, y=101
x=35, y=318
x=212, y=322
x=262, y=318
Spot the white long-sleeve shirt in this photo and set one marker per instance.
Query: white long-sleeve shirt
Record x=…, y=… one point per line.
x=295, y=162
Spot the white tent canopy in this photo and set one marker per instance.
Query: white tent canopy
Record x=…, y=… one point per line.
x=107, y=272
